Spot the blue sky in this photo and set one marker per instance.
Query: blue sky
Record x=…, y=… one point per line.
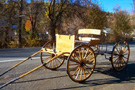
x=108, y=5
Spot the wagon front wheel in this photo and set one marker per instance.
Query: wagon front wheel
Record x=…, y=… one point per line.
x=120, y=55
x=81, y=63
x=45, y=56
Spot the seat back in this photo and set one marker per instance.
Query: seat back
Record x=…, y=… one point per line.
x=89, y=31
x=91, y=35
x=65, y=43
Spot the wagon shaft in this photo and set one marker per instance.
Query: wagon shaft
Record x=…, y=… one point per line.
x=20, y=63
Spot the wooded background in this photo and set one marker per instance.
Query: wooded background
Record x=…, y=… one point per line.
x=29, y=24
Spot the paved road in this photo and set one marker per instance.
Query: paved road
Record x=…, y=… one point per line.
x=17, y=53
x=103, y=78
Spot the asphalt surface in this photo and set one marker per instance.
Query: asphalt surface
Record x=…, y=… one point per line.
x=17, y=53
x=103, y=78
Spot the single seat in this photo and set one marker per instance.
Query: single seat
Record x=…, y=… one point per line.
x=89, y=36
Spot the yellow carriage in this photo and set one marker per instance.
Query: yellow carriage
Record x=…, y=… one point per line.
x=80, y=54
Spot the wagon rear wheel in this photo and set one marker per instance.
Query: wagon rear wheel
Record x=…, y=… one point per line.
x=120, y=55
x=81, y=63
x=54, y=64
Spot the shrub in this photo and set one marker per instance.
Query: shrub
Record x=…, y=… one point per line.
x=28, y=42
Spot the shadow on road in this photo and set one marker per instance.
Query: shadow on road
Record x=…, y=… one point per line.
x=40, y=79
x=125, y=76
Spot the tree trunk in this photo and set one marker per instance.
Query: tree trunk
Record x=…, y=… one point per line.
x=52, y=33
x=6, y=39
x=20, y=24
x=20, y=32
x=33, y=32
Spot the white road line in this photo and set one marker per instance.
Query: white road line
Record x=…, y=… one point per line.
x=17, y=59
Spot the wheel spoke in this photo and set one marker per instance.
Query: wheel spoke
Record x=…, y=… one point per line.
x=116, y=56
x=88, y=66
x=118, y=64
x=119, y=45
x=49, y=64
x=117, y=50
x=124, y=47
x=75, y=71
x=72, y=64
x=46, y=58
x=125, y=57
x=80, y=55
x=125, y=54
x=52, y=63
x=87, y=70
x=81, y=74
x=75, y=68
x=125, y=51
x=89, y=55
x=89, y=62
x=84, y=72
x=55, y=62
x=86, y=54
x=58, y=60
x=74, y=60
x=77, y=74
x=116, y=60
x=76, y=56
x=124, y=61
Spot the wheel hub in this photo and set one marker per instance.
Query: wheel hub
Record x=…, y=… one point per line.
x=82, y=64
x=52, y=55
x=121, y=55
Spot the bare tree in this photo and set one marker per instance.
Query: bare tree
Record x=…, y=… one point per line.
x=58, y=10
x=55, y=10
x=33, y=12
x=9, y=12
